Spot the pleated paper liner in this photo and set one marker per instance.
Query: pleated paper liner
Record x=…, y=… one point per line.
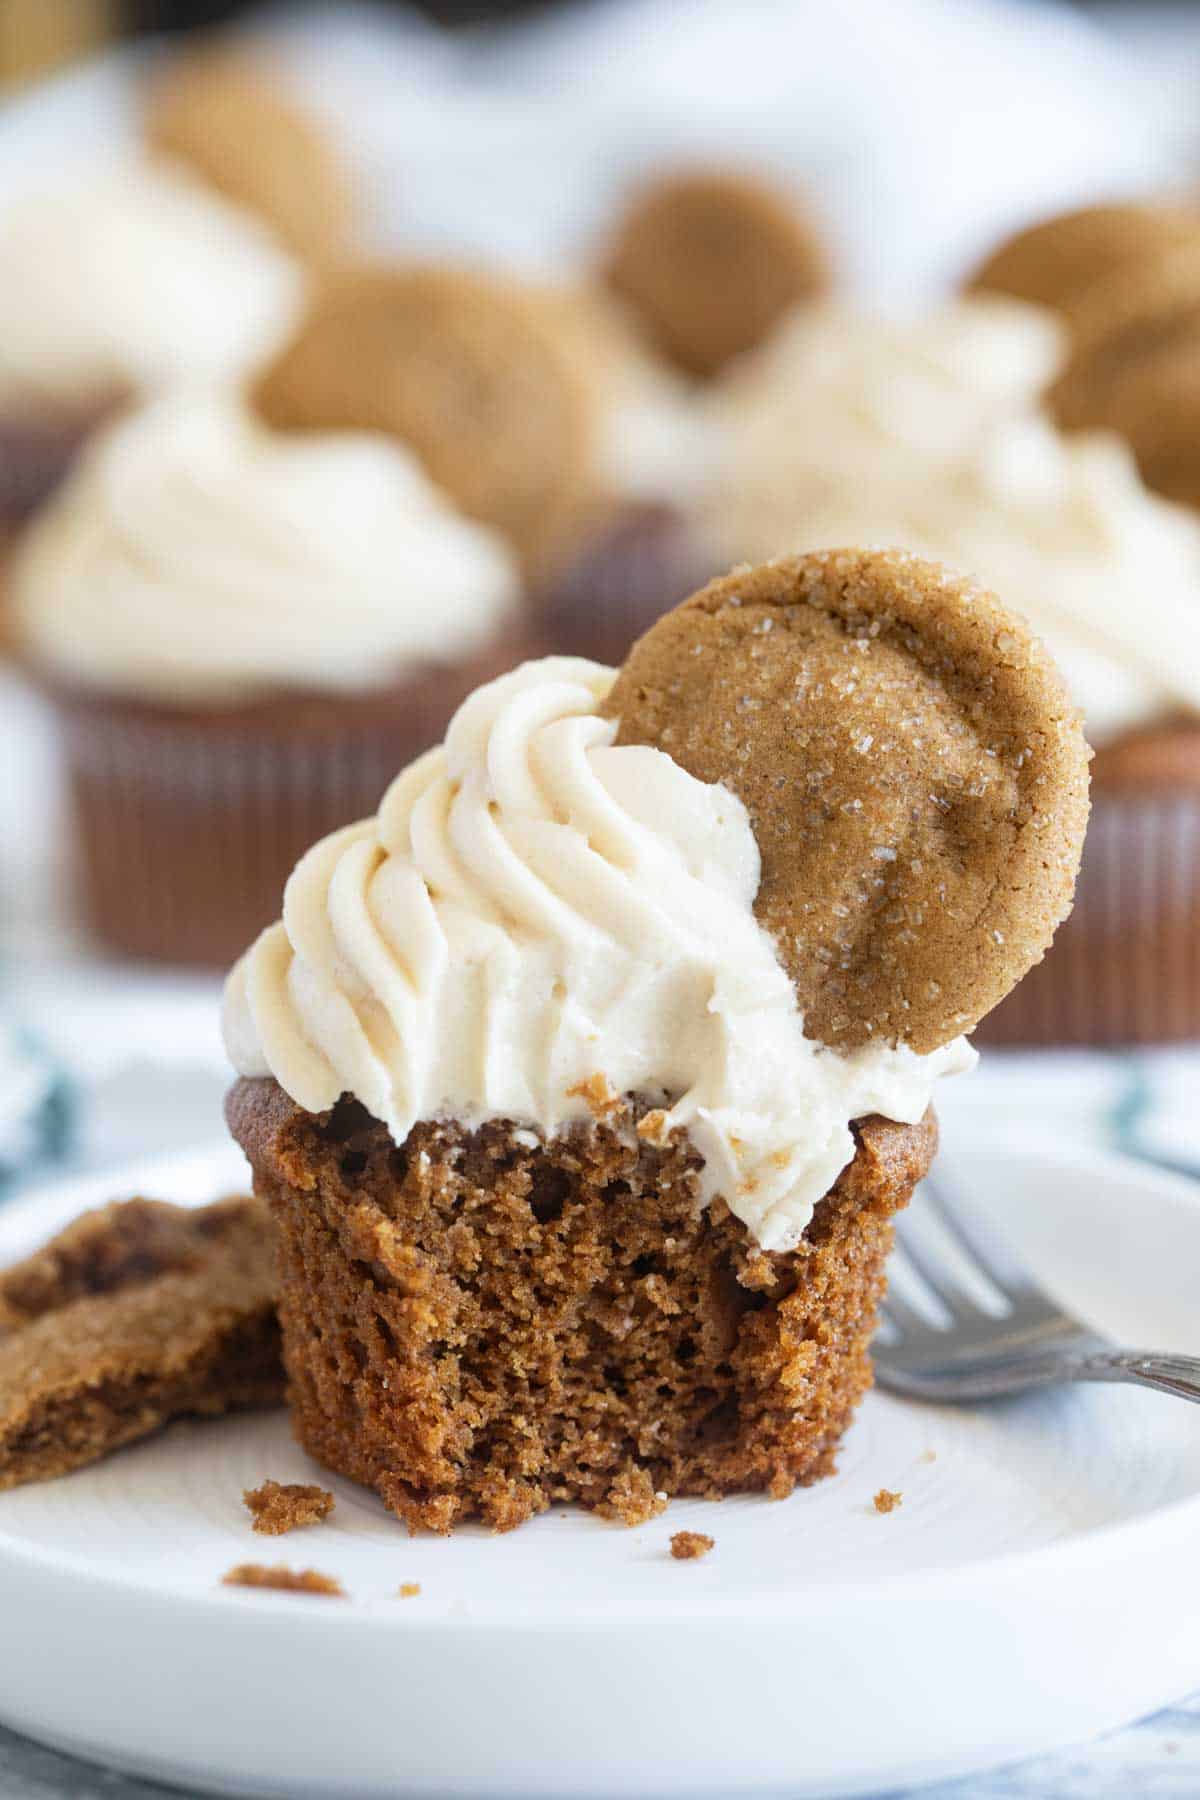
x=1125, y=967
x=188, y=824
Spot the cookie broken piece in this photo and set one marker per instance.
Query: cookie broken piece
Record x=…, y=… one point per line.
x=134, y=1315
x=279, y=1506
x=284, y=1580
x=914, y=771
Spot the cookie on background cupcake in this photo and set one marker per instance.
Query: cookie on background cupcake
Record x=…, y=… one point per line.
x=585, y=1079
x=929, y=434
x=242, y=634
x=183, y=259
x=229, y=115
x=535, y=407
x=709, y=260
x=1057, y=261
x=1127, y=281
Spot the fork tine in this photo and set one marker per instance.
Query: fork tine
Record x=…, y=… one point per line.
x=1000, y=1265
x=941, y=1282
x=905, y=1320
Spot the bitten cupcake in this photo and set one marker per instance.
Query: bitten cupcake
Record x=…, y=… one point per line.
x=928, y=434
x=584, y=1080
x=243, y=634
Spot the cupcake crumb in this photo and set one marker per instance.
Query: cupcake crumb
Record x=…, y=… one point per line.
x=279, y=1506
x=929, y=1456
x=687, y=1546
x=287, y=1581
x=408, y=1590
x=886, y=1500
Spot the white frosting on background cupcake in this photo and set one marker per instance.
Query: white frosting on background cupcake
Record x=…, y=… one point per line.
x=539, y=917
x=195, y=555
x=129, y=275
x=928, y=435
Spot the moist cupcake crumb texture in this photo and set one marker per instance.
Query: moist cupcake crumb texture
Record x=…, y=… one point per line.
x=480, y=1324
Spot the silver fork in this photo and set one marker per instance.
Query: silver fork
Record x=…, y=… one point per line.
x=1023, y=1340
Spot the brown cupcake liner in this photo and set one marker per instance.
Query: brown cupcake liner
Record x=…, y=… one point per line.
x=188, y=824
x=1125, y=967
x=642, y=563
x=36, y=455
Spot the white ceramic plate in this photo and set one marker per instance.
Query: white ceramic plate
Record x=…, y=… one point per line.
x=1039, y=1583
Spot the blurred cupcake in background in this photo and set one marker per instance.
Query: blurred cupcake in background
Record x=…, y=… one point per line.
x=929, y=436
x=535, y=409
x=639, y=555
x=181, y=261
x=244, y=634
x=229, y=116
x=1126, y=280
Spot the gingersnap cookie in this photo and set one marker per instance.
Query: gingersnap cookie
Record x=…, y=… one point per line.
x=468, y=370
x=1138, y=314
x=134, y=1315
x=915, y=775
x=709, y=261
x=1058, y=261
x=222, y=114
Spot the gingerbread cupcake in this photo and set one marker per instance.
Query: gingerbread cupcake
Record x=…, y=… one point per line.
x=929, y=434
x=537, y=408
x=183, y=259
x=585, y=1123
x=231, y=119
x=242, y=634
x=115, y=281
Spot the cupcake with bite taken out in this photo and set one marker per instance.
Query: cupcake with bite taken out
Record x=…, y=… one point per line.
x=242, y=635
x=585, y=1077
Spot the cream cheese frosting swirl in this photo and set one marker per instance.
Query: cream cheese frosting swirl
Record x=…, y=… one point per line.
x=537, y=915
x=195, y=555
x=124, y=277
x=929, y=435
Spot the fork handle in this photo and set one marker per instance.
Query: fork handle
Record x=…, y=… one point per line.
x=1144, y=1368
x=990, y=1378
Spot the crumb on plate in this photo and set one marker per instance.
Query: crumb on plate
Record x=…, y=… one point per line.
x=279, y=1506
x=686, y=1546
x=287, y=1581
